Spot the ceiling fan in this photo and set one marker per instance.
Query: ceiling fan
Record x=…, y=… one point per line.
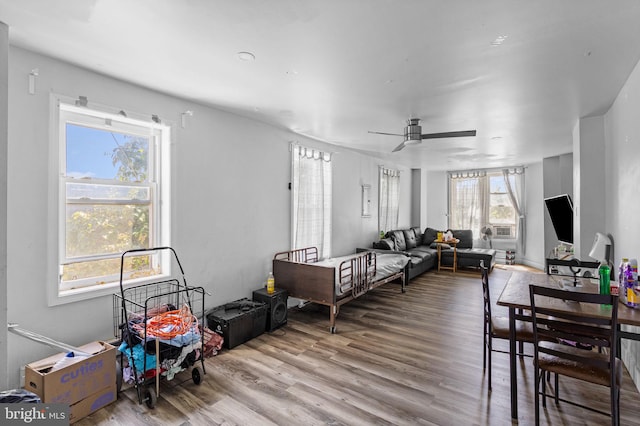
x=413, y=134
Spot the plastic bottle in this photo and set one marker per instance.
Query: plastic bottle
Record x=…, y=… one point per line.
x=68, y=359
x=634, y=270
x=605, y=274
x=271, y=283
x=617, y=285
x=631, y=282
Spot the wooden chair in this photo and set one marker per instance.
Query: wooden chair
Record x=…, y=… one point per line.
x=497, y=327
x=552, y=325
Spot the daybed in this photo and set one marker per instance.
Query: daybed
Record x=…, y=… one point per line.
x=336, y=281
x=424, y=254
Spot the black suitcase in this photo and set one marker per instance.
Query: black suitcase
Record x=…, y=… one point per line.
x=238, y=321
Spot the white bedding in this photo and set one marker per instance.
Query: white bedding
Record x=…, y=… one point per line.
x=386, y=265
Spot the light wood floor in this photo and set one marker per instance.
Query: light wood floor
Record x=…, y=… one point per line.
x=406, y=359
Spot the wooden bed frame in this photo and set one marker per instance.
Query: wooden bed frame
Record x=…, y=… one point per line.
x=296, y=271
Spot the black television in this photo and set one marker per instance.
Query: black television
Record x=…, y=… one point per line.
x=560, y=210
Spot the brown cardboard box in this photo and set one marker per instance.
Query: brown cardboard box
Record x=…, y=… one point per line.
x=92, y=403
x=86, y=385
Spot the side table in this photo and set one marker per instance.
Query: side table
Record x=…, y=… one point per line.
x=453, y=244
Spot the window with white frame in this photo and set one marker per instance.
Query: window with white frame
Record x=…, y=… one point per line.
x=311, y=195
x=488, y=200
x=113, y=174
x=502, y=214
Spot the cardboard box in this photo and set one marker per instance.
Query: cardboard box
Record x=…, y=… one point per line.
x=238, y=321
x=86, y=385
x=93, y=402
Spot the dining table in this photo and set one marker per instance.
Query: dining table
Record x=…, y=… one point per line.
x=515, y=296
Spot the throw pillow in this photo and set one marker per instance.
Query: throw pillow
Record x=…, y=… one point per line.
x=429, y=236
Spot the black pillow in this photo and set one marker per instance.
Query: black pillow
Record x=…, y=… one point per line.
x=429, y=236
x=385, y=244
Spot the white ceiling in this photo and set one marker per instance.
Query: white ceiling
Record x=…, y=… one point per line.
x=335, y=69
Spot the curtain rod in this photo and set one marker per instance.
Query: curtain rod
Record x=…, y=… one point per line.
x=489, y=169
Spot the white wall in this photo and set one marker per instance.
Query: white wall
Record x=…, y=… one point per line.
x=418, y=202
x=588, y=182
x=230, y=210
x=437, y=200
x=534, y=202
x=4, y=115
x=622, y=192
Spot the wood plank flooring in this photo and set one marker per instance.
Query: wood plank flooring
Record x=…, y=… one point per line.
x=402, y=359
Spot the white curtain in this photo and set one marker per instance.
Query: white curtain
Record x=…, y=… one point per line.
x=468, y=201
x=311, y=199
x=514, y=179
x=389, y=198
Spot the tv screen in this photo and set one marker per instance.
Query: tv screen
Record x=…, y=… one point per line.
x=560, y=210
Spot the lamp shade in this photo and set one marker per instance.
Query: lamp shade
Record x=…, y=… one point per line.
x=601, y=248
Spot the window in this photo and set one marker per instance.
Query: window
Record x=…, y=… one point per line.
x=311, y=199
x=502, y=214
x=112, y=176
x=389, y=184
x=488, y=200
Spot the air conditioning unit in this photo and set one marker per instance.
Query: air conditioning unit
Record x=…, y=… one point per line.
x=502, y=231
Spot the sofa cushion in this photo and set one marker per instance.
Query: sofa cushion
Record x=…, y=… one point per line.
x=398, y=239
x=429, y=236
x=422, y=255
x=418, y=234
x=384, y=244
x=409, y=238
x=465, y=236
x=425, y=249
x=473, y=256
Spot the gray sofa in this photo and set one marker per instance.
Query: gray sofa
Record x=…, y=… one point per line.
x=421, y=248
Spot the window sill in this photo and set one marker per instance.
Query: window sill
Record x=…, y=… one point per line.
x=91, y=292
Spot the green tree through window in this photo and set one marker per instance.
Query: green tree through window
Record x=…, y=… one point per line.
x=110, y=204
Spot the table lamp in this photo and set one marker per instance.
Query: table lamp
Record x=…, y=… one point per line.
x=601, y=249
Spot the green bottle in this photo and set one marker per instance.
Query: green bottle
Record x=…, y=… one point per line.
x=605, y=276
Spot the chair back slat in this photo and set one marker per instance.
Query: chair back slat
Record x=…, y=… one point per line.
x=485, y=290
x=558, y=319
x=568, y=327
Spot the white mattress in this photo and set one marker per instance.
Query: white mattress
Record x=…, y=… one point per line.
x=386, y=265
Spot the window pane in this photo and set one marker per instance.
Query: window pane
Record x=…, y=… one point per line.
x=496, y=184
x=502, y=214
x=105, y=229
x=102, y=154
x=79, y=191
x=134, y=267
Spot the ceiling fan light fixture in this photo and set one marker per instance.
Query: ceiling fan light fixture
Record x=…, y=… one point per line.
x=413, y=132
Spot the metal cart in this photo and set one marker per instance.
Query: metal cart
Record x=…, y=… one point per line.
x=159, y=325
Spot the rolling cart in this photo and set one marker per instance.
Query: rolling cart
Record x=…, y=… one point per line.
x=159, y=325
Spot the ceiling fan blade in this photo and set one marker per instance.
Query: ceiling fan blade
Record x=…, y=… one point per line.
x=381, y=133
x=399, y=147
x=449, y=134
